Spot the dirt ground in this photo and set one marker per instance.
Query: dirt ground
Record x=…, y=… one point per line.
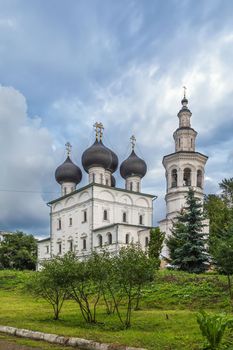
x=5, y=345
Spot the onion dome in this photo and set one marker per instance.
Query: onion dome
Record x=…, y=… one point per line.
x=99, y=155
x=113, y=181
x=68, y=172
x=114, y=164
x=133, y=166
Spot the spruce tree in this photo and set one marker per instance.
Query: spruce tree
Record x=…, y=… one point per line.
x=187, y=241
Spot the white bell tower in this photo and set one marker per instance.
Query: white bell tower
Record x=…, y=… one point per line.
x=184, y=168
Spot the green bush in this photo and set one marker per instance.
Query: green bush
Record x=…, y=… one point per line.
x=213, y=328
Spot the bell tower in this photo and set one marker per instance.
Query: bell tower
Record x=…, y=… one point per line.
x=184, y=168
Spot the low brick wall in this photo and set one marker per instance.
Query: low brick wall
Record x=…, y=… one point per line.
x=82, y=344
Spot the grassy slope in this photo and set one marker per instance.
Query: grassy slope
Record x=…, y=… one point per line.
x=167, y=319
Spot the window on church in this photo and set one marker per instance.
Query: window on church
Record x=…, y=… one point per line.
x=93, y=177
x=84, y=216
x=187, y=177
x=70, y=221
x=146, y=241
x=191, y=143
x=100, y=240
x=109, y=238
x=47, y=249
x=138, y=187
x=124, y=218
x=131, y=186
x=140, y=219
x=199, y=178
x=65, y=190
x=101, y=179
x=107, y=183
x=59, y=248
x=71, y=245
x=127, y=238
x=179, y=142
x=174, y=178
x=105, y=216
x=59, y=224
x=84, y=244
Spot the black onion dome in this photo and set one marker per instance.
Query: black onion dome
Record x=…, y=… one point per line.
x=97, y=155
x=114, y=164
x=100, y=156
x=133, y=166
x=68, y=172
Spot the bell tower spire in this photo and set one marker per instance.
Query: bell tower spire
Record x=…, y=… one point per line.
x=185, y=135
x=184, y=168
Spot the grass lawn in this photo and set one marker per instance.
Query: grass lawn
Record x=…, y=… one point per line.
x=166, y=321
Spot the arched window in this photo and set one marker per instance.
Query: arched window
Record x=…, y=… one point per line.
x=59, y=224
x=71, y=245
x=199, y=178
x=140, y=219
x=127, y=238
x=65, y=191
x=84, y=244
x=174, y=178
x=100, y=241
x=138, y=186
x=59, y=248
x=124, y=217
x=131, y=186
x=187, y=177
x=93, y=177
x=105, y=216
x=146, y=241
x=109, y=238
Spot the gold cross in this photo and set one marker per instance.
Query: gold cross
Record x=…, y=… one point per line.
x=133, y=141
x=98, y=130
x=68, y=148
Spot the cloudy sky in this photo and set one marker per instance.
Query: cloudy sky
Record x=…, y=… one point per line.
x=66, y=64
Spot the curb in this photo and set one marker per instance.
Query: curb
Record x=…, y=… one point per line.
x=83, y=344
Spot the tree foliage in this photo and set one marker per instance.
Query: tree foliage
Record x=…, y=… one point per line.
x=156, y=244
x=100, y=277
x=133, y=269
x=222, y=252
x=18, y=251
x=187, y=242
x=51, y=284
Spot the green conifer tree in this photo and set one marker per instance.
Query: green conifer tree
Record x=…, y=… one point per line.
x=187, y=241
x=156, y=244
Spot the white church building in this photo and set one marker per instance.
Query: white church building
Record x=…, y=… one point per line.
x=102, y=216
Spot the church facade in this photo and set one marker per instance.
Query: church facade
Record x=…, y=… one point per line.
x=102, y=216
x=99, y=215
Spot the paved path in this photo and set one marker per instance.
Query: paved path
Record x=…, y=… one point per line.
x=5, y=345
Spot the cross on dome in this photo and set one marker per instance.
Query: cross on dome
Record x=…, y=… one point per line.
x=133, y=141
x=68, y=148
x=98, y=130
x=184, y=87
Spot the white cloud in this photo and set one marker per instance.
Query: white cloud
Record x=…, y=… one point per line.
x=27, y=160
x=144, y=101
